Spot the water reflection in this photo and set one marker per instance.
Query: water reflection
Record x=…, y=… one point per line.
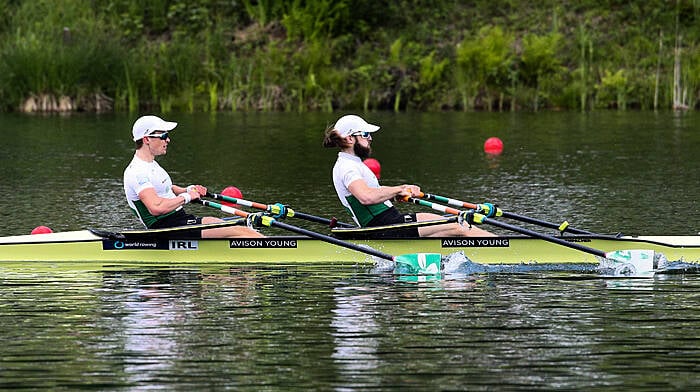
x=145, y=309
x=321, y=328
x=150, y=343
x=355, y=337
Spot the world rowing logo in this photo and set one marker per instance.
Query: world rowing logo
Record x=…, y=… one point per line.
x=127, y=245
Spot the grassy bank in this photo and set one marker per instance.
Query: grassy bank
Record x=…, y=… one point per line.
x=208, y=55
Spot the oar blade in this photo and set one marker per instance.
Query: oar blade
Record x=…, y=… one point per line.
x=634, y=262
x=418, y=264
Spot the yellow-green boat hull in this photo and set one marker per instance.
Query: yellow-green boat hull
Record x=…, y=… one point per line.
x=83, y=246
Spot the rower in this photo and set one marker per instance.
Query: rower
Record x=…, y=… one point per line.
x=359, y=191
x=151, y=194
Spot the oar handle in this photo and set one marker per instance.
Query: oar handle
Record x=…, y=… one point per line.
x=269, y=221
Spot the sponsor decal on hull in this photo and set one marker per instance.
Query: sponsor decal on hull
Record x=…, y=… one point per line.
x=183, y=245
x=263, y=243
x=152, y=245
x=475, y=242
x=134, y=244
x=577, y=239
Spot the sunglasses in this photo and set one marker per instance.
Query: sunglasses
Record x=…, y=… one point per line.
x=161, y=136
x=364, y=135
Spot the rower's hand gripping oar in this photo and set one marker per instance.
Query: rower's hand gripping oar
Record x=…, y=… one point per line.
x=638, y=260
x=490, y=210
x=415, y=263
x=279, y=210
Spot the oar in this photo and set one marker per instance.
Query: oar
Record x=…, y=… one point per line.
x=489, y=210
x=415, y=263
x=642, y=260
x=435, y=206
x=279, y=210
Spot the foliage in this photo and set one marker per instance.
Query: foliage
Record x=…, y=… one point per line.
x=539, y=58
x=350, y=54
x=313, y=20
x=483, y=63
x=263, y=11
x=613, y=89
x=76, y=60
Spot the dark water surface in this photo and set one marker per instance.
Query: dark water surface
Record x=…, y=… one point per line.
x=111, y=327
x=608, y=172
x=310, y=328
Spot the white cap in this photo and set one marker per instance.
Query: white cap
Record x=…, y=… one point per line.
x=347, y=125
x=146, y=125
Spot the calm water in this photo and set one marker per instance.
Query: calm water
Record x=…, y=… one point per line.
x=608, y=172
x=107, y=327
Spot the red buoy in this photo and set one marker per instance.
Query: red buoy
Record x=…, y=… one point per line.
x=231, y=191
x=493, y=145
x=42, y=230
x=373, y=165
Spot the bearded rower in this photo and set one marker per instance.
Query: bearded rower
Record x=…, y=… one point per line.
x=368, y=202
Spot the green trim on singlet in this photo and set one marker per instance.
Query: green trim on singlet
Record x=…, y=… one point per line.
x=142, y=213
x=365, y=213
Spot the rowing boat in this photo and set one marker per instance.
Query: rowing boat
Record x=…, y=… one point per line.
x=138, y=248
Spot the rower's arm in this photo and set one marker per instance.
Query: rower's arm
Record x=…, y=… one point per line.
x=158, y=205
x=368, y=195
x=178, y=189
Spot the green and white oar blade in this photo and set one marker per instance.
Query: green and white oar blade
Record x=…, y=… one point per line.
x=636, y=262
x=418, y=264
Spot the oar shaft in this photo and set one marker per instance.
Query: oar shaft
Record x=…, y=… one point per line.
x=479, y=218
x=318, y=219
x=436, y=207
x=522, y=230
x=268, y=208
x=505, y=214
x=271, y=222
x=332, y=240
x=539, y=222
x=447, y=200
x=236, y=200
